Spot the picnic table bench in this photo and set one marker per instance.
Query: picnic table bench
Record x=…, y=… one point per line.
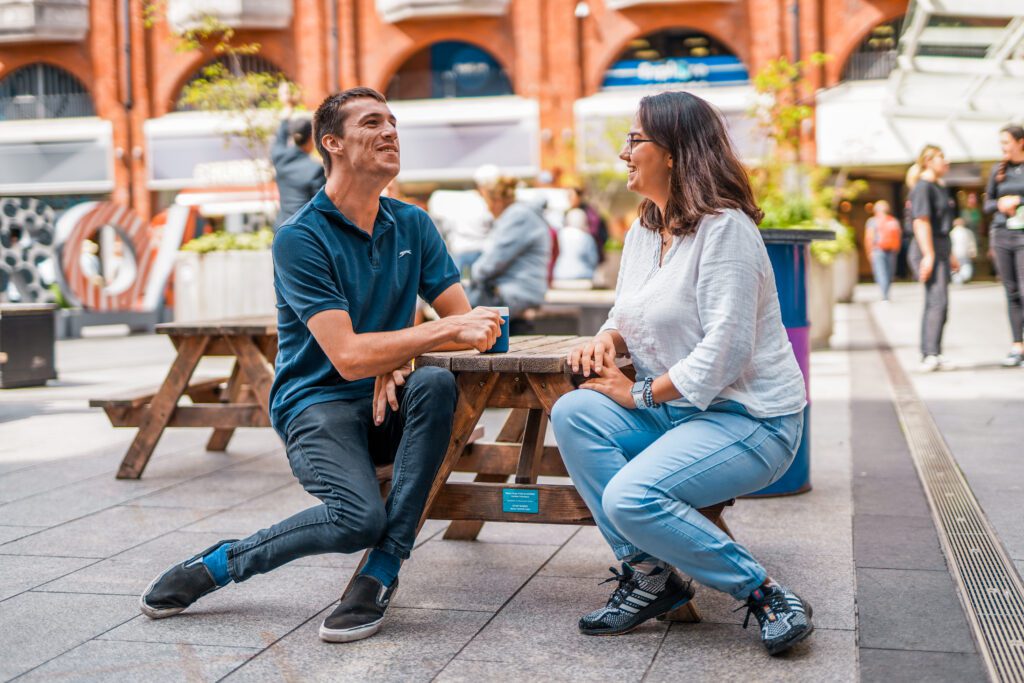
x=528, y=380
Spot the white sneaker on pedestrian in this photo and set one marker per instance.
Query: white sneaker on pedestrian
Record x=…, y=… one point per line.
x=931, y=363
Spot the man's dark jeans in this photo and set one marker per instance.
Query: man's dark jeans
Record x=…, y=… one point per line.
x=333, y=448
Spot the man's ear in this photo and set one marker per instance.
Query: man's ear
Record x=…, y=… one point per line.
x=332, y=144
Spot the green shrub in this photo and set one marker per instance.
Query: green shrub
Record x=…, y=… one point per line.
x=231, y=241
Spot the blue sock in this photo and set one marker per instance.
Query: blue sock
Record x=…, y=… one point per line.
x=217, y=562
x=382, y=566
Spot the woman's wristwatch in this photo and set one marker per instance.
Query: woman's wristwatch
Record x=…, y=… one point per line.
x=643, y=393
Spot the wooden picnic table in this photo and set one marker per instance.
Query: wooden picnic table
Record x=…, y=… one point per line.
x=241, y=399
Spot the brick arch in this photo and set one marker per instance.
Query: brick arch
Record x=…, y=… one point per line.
x=77, y=68
x=169, y=93
x=615, y=47
x=391, y=67
x=860, y=25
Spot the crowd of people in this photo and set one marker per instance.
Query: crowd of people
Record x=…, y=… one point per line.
x=943, y=244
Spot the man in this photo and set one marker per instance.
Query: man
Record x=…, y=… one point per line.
x=347, y=270
x=298, y=176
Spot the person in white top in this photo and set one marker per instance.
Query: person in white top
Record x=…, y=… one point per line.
x=577, y=252
x=717, y=408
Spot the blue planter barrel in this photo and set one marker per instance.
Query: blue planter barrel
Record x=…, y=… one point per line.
x=789, y=251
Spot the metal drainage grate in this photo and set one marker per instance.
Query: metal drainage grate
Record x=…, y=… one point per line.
x=988, y=582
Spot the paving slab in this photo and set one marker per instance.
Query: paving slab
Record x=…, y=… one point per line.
x=108, y=660
x=19, y=573
x=36, y=627
x=539, y=626
x=585, y=555
x=412, y=645
x=219, y=490
x=467, y=575
x=724, y=652
x=912, y=666
x=897, y=542
x=11, y=533
x=251, y=614
x=76, y=500
x=899, y=609
x=105, y=533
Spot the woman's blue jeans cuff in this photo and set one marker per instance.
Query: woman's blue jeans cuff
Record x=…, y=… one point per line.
x=744, y=592
x=625, y=552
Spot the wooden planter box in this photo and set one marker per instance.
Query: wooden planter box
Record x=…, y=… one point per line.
x=223, y=284
x=27, y=334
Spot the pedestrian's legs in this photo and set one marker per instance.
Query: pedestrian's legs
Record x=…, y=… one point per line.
x=597, y=437
x=936, y=301
x=882, y=271
x=423, y=427
x=328, y=450
x=708, y=457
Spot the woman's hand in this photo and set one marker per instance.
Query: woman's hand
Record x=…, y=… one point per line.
x=595, y=355
x=385, y=391
x=612, y=383
x=924, y=270
x=1008, y=204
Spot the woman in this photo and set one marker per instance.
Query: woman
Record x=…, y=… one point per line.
x=932, y=211
x=718, y=408
x=577, y=253
x=1003, y=200
x=513, y=268
x=882, y=240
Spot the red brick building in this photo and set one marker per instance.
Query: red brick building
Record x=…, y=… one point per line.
x=88, y=92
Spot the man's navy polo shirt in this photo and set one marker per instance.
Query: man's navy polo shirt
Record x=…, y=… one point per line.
x=322, y=261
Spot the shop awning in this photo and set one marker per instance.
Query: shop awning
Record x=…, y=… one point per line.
x=56, y=156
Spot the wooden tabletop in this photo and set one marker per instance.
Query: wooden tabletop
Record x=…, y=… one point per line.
x=255, y=325
x=536, y=354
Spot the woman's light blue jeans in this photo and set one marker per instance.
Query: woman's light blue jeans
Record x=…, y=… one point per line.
x=645, y=473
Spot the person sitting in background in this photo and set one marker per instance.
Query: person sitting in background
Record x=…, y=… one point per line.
x=512, y=271
x=965, y=249
x=883, y=236
x=299, y=177
x=596, y=224
x=577, y=252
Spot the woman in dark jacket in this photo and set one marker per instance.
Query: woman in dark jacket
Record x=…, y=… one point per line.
x=1003, y=200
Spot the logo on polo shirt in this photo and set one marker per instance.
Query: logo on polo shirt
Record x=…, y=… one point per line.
x=404, y=253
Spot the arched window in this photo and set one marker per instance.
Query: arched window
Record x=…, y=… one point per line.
x=675, y=57
x=449, y=69
x=235, y=65
x=876, y=55
x=41, y=91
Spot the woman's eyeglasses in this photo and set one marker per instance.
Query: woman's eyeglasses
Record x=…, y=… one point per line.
x=633, y=139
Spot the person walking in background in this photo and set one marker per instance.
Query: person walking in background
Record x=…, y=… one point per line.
x=717, y=408
x=1006, y=234
x=577, y=252
x=883, y=236
x=513, y=268
x=932, y=211
x=965, y=249
x=596, y=224
x=299, y=177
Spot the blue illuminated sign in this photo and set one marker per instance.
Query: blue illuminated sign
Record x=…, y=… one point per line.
x=718, y=70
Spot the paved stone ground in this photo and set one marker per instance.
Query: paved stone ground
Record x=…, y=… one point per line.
x=77, y=546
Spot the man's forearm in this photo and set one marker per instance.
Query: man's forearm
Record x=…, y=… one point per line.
x=375, y=353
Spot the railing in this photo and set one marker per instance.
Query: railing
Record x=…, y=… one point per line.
x=867, y=66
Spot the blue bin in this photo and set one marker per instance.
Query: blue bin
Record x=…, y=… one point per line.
x=789, y=251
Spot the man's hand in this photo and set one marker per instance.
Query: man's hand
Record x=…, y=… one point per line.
x=612, y=383
x=954, y=263
x=1008, y=204
x=595, y=354
x=924, y=271
x=477, y=329
x=385, y=391
x=286, y=97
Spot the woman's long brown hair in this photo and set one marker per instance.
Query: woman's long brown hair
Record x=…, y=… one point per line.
x=1017, y=133
x=706, y=175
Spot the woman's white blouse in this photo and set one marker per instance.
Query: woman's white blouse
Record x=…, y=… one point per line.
x=709, y=316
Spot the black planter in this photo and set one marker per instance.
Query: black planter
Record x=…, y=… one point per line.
x=27, y=339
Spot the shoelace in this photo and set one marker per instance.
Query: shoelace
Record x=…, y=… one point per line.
x=624, y=589
x=774, y=600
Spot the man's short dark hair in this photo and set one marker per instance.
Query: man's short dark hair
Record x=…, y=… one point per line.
x=329, y=118
x=301, y=130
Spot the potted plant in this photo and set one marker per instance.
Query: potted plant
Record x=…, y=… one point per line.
x=224, y=275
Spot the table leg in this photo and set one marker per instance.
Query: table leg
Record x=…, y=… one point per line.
x=533, y=448
x=511, y=432
x=220, y=437
x=161, y=408
x=258, y=372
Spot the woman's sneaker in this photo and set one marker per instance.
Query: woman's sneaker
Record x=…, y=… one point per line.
x=1013, y=359
x=785, y=618
x=637, y=598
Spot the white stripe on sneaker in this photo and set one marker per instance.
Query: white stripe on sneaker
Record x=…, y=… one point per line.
x=649, y=596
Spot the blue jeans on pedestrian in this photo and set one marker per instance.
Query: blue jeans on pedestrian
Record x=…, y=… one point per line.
x=883, y=265
x=644, y=474
x=333, y=449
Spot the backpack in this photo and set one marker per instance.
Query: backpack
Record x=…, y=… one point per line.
x=889, y=235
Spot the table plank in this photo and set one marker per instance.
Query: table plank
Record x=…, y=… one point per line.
x=253, y=326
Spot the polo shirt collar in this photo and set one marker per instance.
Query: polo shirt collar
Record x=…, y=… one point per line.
x=384, y=220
